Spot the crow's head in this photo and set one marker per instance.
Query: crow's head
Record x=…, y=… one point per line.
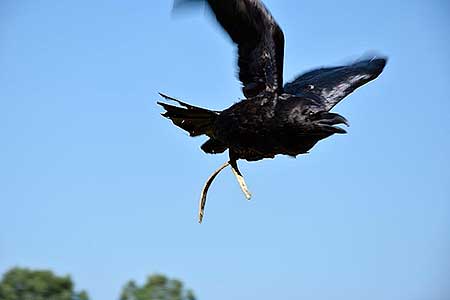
x=311, y=117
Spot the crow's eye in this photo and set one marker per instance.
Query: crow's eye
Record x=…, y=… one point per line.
x=310, y=87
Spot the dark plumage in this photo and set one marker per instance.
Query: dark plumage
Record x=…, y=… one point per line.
x=273, y=119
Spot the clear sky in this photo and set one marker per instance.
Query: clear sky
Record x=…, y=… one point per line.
x=94, y=183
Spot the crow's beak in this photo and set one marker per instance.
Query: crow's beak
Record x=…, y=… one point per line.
x=327, y=120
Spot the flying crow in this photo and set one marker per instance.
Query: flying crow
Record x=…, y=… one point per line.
x=273, y=118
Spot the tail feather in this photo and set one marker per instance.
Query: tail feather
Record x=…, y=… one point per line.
x=195, y=120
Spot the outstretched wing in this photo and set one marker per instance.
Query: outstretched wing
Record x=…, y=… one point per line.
x=331, y=85
x=259, y=39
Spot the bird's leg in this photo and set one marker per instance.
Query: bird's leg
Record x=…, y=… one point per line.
x=240, y=178
x=201, y=208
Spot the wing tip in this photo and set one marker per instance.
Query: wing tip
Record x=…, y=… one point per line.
x=375, y=63
x=379, y=62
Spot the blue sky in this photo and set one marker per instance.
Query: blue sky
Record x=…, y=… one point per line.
x=94, y=183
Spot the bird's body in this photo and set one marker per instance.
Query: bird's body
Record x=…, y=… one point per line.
x=271, y=130
x=272, y=119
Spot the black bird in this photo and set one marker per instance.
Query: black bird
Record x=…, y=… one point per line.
x=272, y=119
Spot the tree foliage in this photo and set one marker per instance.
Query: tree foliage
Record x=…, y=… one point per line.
x=25, y=284
x=157, y=287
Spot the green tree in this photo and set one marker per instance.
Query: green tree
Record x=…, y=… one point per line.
x=157, y=287
x=25, y=284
